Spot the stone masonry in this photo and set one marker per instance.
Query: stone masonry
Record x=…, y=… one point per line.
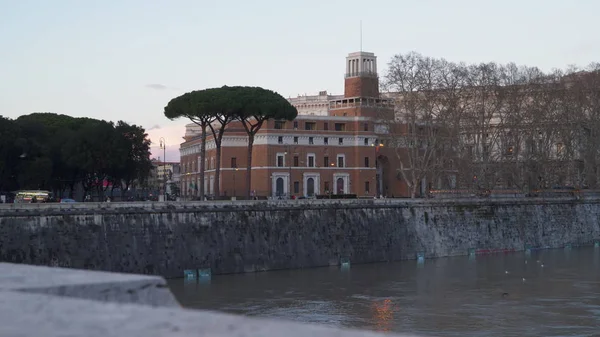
x=246, y=236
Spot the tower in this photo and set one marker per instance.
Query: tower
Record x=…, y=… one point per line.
x=361, y=76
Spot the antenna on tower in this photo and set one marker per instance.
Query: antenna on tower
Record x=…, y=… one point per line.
x=361, y=35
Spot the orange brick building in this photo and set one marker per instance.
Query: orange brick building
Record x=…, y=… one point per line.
x=331, y=147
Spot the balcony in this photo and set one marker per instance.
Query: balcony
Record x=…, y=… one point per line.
x=361, y=102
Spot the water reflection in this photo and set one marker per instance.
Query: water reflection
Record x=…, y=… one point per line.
x=545, y=293
x=383, y=315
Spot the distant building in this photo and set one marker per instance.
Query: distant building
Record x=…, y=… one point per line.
x=331, y=147
x=171, y=171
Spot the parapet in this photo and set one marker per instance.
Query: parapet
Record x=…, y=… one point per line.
x=44, y=301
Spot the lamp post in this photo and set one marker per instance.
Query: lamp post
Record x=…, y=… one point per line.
x=234, y=174
x=287, y=150
x=333, y=182
x=378, y=178
x=163, y=146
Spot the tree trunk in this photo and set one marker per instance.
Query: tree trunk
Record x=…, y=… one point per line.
x=202, y=161
x=413, y=191
x=218, y=170
x=218, y=137
x=124, y=189
x=249, y=166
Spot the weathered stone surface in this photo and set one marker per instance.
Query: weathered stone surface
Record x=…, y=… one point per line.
x=99, y=286
x=41, y=315
x=244, y=236
x=23, y=314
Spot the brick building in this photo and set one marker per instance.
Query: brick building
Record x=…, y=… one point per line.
x=331, y=147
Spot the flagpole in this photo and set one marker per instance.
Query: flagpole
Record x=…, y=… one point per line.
x=361, y=36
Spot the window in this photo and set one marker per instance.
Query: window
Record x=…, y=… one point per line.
x=296, y=161
x=280, y=140
x=366, y=141
x=325, y=126
x=366, y=187
x=279, y=125
x=295, y=140
x=233, y=162
x=295, y=125
x=311, y=140
x=325, y=161
x=341, y=141
x=311, y=160
x=340, y=160
x=366, y=161
x=326, y=140
x=366, y=127
x=280, y=160
x=296, y=187
x=340, y=127
x=310, y=126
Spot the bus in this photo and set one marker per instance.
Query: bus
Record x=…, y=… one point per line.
x=27, y=196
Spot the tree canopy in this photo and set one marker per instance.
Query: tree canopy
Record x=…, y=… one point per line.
x=237, y=101
x=56, y=152
x=252, y=106
x=258, y=106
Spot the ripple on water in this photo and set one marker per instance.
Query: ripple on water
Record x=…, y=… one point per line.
x=445, y=298
x=320, y=312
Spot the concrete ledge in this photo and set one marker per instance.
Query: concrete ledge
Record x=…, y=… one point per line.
x=16, y=210
x=25, y=314
x=92, y=285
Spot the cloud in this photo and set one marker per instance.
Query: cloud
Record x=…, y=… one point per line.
x=157, y=86
x=153, y=127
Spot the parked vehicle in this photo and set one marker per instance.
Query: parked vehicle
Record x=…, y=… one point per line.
x=32, y=196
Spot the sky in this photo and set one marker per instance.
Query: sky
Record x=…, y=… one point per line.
x=125, y=59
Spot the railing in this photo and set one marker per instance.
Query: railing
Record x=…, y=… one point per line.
x=513, y=193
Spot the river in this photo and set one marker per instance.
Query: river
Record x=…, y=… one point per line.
x=547, y=293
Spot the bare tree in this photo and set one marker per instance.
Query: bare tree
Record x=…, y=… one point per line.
x=581, y=111
x=424, y=129
x=493, y=125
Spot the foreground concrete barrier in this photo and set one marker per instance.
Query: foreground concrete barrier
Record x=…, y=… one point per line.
x=44, y=301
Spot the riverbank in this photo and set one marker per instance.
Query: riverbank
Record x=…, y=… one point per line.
x=248, y=236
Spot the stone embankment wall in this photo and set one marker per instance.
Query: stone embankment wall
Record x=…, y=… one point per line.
x=247, y=236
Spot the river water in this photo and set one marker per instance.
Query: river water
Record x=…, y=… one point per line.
x=548, y=293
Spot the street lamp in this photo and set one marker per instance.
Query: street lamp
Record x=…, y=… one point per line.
x=287, y=149
x=163, y=146
x=378, y=177
x=333, y=182
x=234, y=174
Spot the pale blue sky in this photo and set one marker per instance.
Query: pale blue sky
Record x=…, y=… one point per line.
x=98, y=58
